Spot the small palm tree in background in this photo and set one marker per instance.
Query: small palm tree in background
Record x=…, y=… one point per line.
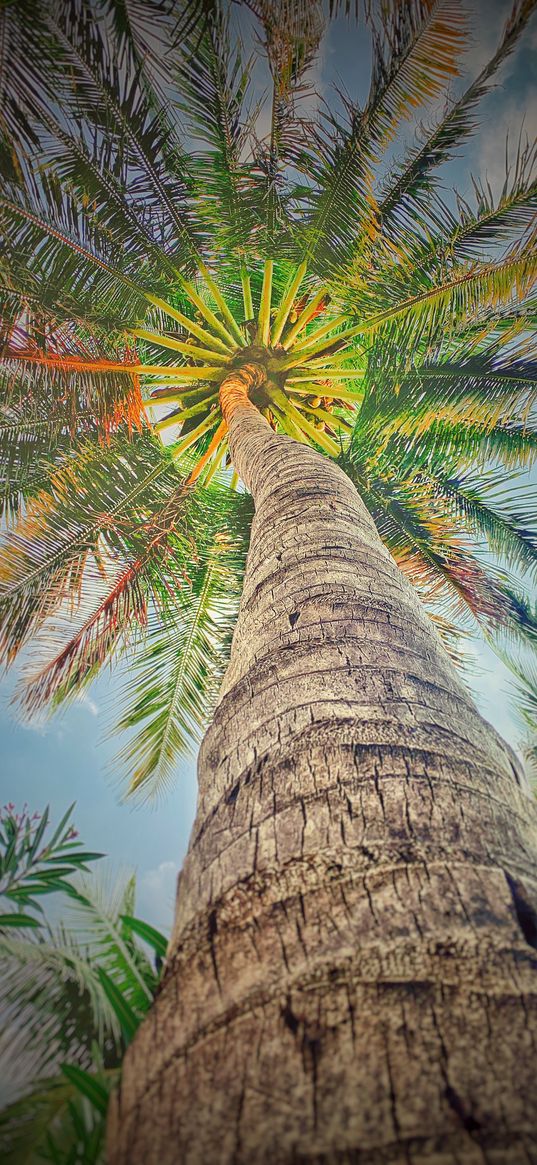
x=72, y=995
x=199, y=283
x=525, y=708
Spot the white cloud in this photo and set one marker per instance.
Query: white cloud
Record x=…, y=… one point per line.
x=492, y=688
x=513, y=119
x=156, y=895
x=87, y=702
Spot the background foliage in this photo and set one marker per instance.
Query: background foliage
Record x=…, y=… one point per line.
x=71, y=995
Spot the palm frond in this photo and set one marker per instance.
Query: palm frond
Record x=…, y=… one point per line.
x=473, y=395
x=95, y=922
x=174, y=681
x=50, y=991
x=29, y=80
x=72, y=379
x=291, y=38
x=524, y=703
x=498, y=220
x=146, y=33
x=214, y=84
x=435, y=544
x=405, y=196
x=416, y=53
x=51, y=547
x=113, y=100
x=26, y=445
x=416, y=48
x=348, y=7
x=488, y=508
x=425, y=317
x=46, y=260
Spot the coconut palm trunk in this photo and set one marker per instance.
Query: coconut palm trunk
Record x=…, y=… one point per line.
x=351, y=974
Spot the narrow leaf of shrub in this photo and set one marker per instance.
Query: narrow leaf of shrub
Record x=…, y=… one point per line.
x=19, y=920
x=87, y=1085
x=128, y=1020
x=152, y=937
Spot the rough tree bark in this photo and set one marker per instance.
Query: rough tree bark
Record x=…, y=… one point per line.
x=350, y=977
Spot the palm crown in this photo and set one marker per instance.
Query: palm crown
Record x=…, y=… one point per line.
x=155, y=237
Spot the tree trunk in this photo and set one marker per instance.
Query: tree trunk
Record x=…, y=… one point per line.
x=350, y=977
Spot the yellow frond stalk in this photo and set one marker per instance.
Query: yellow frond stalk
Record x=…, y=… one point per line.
x=208, y=314
x=191, y=438
x=332, y=358
x=178, y=346
x=295, y=419
x=288, y=425
x=181, y=415
x=354, y=397
x=322, y=415
x=216, y=461
x=316, y=341
x=190, y=326
x=316, y=388
x=163, y=393
x=246, y=292
x=286, y=304
x=177, y=372
x=327, y=374
x=168, y=422
x=305, y=316
x=213, y=446
x=188, y=394
x=309, y=388
x=220, y=302
x=304, y=358
x=316, y=435
x=263, y=324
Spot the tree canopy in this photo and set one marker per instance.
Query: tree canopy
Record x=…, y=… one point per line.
x=174, y=200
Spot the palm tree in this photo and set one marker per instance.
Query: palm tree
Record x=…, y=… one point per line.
x=71, y=995
x=525, y=707
x=264, y=283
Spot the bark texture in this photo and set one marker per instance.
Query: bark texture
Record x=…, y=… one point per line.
x=351, y=975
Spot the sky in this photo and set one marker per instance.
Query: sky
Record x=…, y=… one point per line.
x=68, y=758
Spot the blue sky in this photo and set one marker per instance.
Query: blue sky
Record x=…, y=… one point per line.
x=67, y=759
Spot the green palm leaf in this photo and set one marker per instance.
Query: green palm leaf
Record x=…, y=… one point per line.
x=524, y=702
x=120, y=484
x=432, y=528
x=174, y=682
x=406, y=192
x=98, y=93
x=476, y=394
x=415, y=54
x=214, y=83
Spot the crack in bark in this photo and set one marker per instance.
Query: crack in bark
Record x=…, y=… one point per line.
x=212, y=927
x=524, y=910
